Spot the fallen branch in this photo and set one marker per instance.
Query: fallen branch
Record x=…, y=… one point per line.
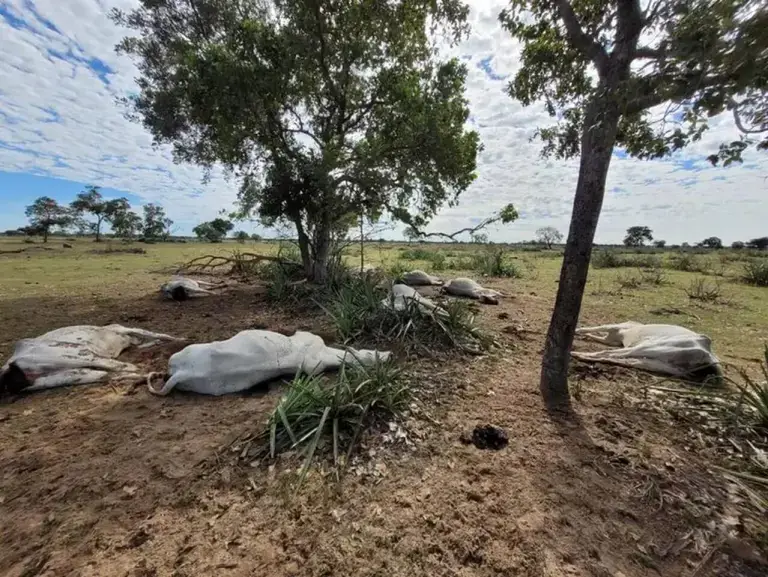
x=212, y=264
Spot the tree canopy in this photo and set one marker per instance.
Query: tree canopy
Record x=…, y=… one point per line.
x=549, y=235
x=637, y=235
x=45, y=213
x=712, y=242
x=214, y=230
x=91, y=201
x=156, y=224
x=325, y=109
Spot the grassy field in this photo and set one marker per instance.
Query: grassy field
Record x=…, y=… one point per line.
x=733, y=313
x=112, y=481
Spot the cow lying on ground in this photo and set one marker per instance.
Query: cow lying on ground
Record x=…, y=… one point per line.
x=666, y=349
x=180, y=288
x=420, y=278
x=73, y=356
x=253, y=357
x=466, y=287
x=402, y=296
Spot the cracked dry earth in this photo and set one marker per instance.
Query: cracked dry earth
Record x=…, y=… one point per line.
x=107, y=481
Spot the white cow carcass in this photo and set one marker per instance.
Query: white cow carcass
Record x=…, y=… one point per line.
x=667, y=349
x=420, y=278
x=401, y=297
x=252, y=357
x=466, y=287
x=180, y=288
x=74, y=355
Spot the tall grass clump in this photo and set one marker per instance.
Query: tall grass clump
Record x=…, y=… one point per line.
x=491, y=262
x=703, y=290
x=756, y=272
x=684, y=262
x=330, y=415
x=361, y=312
x=609, y=259
x=755, y=392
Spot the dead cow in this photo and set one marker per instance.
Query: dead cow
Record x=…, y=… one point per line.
x=252, y=357
x=420, y=278
x=73, y=356
x=402, y=296
x=180, y=288
x=667, y=349
x=466, y=287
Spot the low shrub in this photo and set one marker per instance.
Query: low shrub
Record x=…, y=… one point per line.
x=703, y=290
x=756, y=272
x=491, y=262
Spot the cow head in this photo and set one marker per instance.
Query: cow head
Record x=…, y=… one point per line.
x=13, y=380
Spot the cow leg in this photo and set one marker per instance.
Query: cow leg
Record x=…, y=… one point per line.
x=627, y=358
x=149, y=336
x=605, y=334
x=69, y=377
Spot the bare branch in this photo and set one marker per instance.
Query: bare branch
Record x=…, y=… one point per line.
x=452, y=236
x=740, y=124
x=580, y=39
x=649, y=53
x=652, y=12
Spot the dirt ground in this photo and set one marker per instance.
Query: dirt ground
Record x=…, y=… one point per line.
x=112, y=481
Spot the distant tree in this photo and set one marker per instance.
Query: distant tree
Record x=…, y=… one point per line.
x=548, y=235
x=479, y=238
x=685, y=245
x=45, y=213
x=637, y=235
x=92, y=202
x=712, y=242
x=659, y=243
x=737, y=245
x=154, y=225
x=126, y=224
x=255, y=237
x=760, y=243
x=14, y=232
x=602, y=69
x=214, y=230
x=241, y=236
x=328, y=108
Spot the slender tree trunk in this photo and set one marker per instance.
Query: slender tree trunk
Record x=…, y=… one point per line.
x=322, y=252
x=306, y=257
x=600, y=126
x=45, y=235
x=98, y=230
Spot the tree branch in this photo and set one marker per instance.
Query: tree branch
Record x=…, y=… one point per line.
x=580, y=39
x=452, y=236
x=648, y=53
x=739, y=124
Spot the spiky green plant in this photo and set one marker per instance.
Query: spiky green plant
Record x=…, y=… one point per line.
x=755, y=392
x=317, y=412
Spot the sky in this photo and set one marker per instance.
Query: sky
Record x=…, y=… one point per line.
x=61, y=128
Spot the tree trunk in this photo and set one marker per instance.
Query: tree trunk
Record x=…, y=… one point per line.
x=306, y=257
x=45, y=235
x=98, y=230
x=597, y=141
x=320, y=256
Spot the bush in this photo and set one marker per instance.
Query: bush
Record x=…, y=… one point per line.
x=359, y=315
x=684, y=262
x=646, y=261
x=653, y=276
x=756, y=393
x=316, y=414
x=629, y=281
x=756, y=272
x=491, y=263
x=703, y=290
x=609, y=259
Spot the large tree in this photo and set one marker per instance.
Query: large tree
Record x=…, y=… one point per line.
x=549, y=235
x=637, y=235
x=643, y=76
x=326, y=109
x=156, y=224
x=45, y=213
x=214, y=230
x=126, y=224
x=91, y=201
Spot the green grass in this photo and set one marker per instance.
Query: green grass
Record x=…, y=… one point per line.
x=737, y=329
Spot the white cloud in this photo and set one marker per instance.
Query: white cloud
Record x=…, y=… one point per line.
x=93, y=143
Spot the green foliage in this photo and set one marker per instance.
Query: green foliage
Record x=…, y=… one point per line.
x=91, y=201
x=703, y=57
x=328, y=109
x=737, y=245
x=241, y=236
x=629, y=281
x=216, y=230
x=637, y=235
x=491, y=262
x=684, y=262
x=156, y=224
x=659, y=243
x=755, y=393
x=549, y=235
x=712, y=242
x=316, y=414
x=45, y=213
x=358, y=314
x=756, y=272
x=703, y=290
x=255, y=237
x=758, y=243
x=126, y=224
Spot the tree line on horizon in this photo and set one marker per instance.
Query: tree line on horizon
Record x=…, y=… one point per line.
x=88, y=213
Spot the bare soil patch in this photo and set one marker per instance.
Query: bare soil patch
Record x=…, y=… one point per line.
x=103, y=481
